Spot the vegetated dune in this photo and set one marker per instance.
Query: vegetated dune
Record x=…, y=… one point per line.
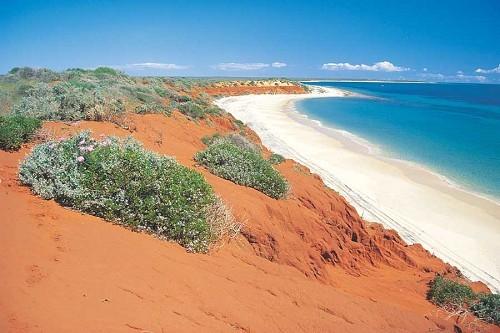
x=304, y=264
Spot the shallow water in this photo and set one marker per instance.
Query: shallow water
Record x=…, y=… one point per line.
x=452, y=128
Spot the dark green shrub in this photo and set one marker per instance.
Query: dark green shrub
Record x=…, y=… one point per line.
x=17, y=129
x=244, y=167
x=276, y=159
x=191, y=110
x=239, y=123
x=450, y=294
x=487, y=308
x=121, y=182
x=103, y=71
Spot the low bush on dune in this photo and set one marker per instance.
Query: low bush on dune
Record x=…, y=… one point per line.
x=120, y=181
x=488, y=308
x=276, y=159
x=233, y=160
x=16, y=130
x=459, y=298
x=234, y=138
x=450, y=294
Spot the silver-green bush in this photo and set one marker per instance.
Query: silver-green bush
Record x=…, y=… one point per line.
x=243, y=166
x=121, y=182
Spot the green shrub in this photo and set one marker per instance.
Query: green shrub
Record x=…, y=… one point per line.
x=66, y=102
x=244, y=167
x=234, y=138
x=450, y=294
x=153, y=108
x=209, y=139
x=16, y=130
x=191, y=110
x=276, y=159
x=487, y=308
x=103, y=71
x=239, y=123
x=121, y=182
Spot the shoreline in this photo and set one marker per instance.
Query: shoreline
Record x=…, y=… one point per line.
x=421, y=205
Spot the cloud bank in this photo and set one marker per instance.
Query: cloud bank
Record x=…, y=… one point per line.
x=489, y=71
x=382, y=66
x=247, y=66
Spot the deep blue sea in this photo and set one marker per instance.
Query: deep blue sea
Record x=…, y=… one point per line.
x=454, y=129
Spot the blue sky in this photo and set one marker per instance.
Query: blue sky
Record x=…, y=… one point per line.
x=433, y=40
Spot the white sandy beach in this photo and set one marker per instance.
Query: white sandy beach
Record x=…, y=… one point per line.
x=460, y=227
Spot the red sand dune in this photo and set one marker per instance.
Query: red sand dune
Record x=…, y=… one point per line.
x=240, y=90
x=304, y=264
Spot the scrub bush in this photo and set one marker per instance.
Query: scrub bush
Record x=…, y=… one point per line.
x=120, y=181
x=450, y=294
x=234, y=138
x=243, y=166
x=487, y=308
x=16, y=130
x=276, y=159
x=153, y=108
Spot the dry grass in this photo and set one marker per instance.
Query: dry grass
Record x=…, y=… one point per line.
x=223, y=225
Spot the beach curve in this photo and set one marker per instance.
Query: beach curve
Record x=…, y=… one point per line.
x=422, y=206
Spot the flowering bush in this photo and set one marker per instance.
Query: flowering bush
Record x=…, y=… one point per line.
x=15, y=130
x=243, y=166
x=122, y=182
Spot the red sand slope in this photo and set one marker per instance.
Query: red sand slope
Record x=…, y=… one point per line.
x=304, y=264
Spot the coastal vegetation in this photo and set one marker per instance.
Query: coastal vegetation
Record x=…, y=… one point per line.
x=459, y=298
x=120, y=181
x=99, y=94
x=276, y=159
x=235, y=158
x=16, y=130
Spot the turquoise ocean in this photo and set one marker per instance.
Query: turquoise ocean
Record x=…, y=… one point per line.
x=451, y=128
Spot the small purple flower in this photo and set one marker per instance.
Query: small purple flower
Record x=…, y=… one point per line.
x=82, y=142
x=80, y=159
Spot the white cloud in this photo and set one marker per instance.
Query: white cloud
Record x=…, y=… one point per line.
x=488, y=71
x=278, y=64
x=382, y=66
x=425, y=69
x=150, y=65
x=460, y=72
x=235, y=66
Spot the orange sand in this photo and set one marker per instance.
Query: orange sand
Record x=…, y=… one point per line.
x=304, y=264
